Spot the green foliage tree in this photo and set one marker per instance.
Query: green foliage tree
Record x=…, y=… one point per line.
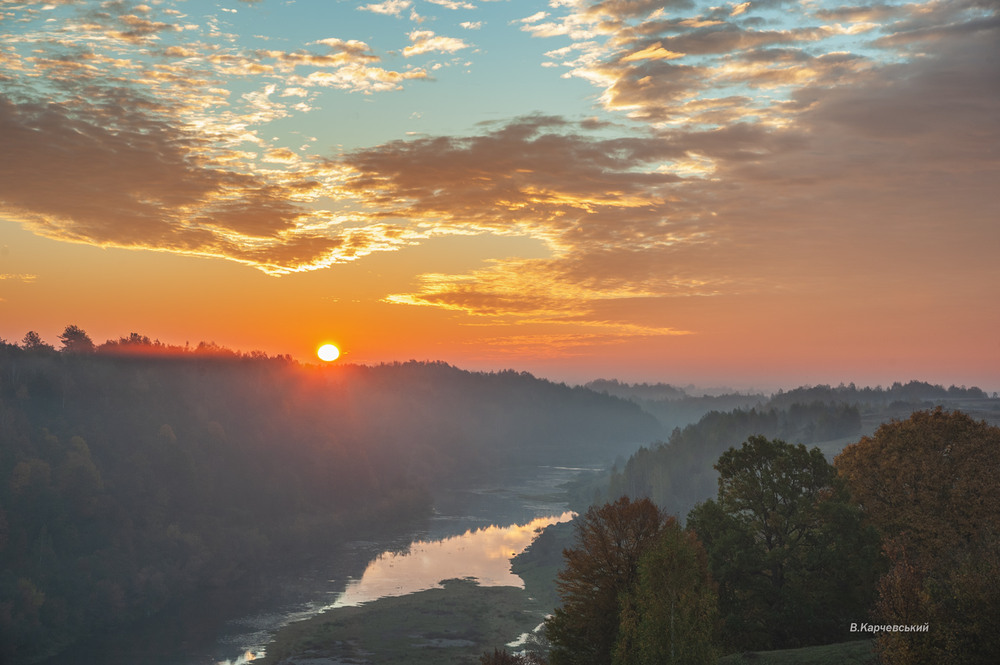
x=601, y=570
x=670, y=616
x=792, y=557
x=929, y=485
x=75, y=340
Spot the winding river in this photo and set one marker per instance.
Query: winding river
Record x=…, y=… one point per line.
x=473, y=533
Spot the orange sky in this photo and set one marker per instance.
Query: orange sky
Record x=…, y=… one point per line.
x=714, y=194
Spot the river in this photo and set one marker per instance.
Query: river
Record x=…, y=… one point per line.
x=473, y=533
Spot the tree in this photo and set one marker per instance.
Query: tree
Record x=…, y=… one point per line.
x=601, y=570
x=32, y=341
x=928, y=484
x=928, y=481
x=670, y=615
x=792, y=557
x=75, y=340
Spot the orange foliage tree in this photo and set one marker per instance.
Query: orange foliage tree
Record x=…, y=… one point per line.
x=600, y=572
x=929, y=484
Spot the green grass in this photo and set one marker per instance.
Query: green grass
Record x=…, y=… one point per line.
x=449, y=626
x=858, y=652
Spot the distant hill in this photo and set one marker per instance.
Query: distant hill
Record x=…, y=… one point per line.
x=674, y=406
x=679, y=473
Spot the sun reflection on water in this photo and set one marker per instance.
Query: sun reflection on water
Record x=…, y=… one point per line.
x=481, y=553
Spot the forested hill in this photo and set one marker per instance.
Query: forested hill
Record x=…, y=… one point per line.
x=678, y=407
x=679, y=473
x=126, y=481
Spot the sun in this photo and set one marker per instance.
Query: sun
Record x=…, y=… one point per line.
x=328, y=352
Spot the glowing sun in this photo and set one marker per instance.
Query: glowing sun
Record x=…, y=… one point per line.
x=328, y=352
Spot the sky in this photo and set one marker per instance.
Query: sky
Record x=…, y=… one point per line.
x=757, y=194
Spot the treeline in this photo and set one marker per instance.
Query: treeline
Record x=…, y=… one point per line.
x=673, y=406
x=677, y=407
x=913, y=392
x=678, y=474
x=128, y=480
x=74, y=339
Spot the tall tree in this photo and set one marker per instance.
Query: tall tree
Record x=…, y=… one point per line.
x=929, y=485
x=669, y=618
x=75, y=340
x=32, y=341
x=601, y=571
x=792, y=557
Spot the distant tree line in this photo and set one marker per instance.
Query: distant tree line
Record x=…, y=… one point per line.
x=908, y=393
x=676, y=407
x=74, y=339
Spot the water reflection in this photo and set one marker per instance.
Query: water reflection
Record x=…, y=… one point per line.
x=480, y=553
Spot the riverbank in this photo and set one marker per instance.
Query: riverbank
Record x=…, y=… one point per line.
x=454, y=624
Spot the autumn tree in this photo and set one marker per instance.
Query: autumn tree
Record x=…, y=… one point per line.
x=929, y=484
x=600, y=571
x=792, y=557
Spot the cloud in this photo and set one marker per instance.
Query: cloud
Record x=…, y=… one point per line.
x=389, y=7
x=605, y=212
x=722, y=198
x=738, y=149
x=653, y=52
x=132, y=180
x=425, y=41
x=452, y=4
x=121, y=127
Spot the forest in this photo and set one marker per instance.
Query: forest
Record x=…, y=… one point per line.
x=893, y=546
x=133, y=473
